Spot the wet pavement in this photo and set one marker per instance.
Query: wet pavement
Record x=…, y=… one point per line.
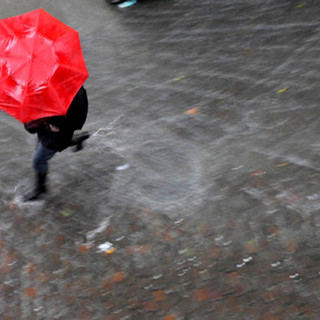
x=197, y=196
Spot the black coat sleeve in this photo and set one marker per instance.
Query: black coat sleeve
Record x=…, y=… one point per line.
x=78, y=110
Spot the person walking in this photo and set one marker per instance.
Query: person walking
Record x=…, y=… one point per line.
x=55, y=134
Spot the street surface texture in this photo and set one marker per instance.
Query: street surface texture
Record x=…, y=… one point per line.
x=197, y=196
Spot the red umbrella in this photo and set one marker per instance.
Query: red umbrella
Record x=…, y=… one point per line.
x=41, y=66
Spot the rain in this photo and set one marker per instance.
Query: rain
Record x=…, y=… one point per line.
x=198, y=192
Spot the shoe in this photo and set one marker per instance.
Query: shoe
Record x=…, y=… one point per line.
x=77, y=140
x=38, y=189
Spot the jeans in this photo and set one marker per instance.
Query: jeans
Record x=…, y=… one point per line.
x=41, y=158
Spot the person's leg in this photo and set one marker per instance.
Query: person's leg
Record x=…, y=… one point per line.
x=41, y=158
x=40, y=165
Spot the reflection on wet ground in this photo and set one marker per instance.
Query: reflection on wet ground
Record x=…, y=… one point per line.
x=197, y=196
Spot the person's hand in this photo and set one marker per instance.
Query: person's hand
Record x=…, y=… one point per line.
x=53, y=128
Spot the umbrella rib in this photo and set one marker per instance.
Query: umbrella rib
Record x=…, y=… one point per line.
x=77, y=70
x=29, y=71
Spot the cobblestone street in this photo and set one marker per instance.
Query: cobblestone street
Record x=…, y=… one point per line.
x=197, y=195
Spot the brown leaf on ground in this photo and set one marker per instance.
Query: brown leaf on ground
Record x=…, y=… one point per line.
x=118, y=276
x=169, y=317
x=107, y=283
x=201, y=294
x=251, y=247
x=12, y=205
x=214, y=252
x=83, y=248
x=297, y=197
x=6, y=288
x=258, y=173
x=146, y=211
x=269, y=316
x=150, y=306
x=60, y=238
x=167, y=237
x=9, y=258
x=234, y=304
x=143, y=249
x=108, y=252
x=5, y=269
x=84, y=314
x=37, y=230
x=31, y=268
x=307, y=310
x=280, y=165
x=204, y=228
x=269, y=296
x=282, y=90
x=179, y=78
x=273, y=230
x=30, y=292
x=159, y=295
x=156, y=234
x=192, y=111
x=291, y=246
x=258, y=182
x=244, y=53
x=221, y=113
x=233, y=278
x=113, y=317
x=70, y=299
x=42, y=277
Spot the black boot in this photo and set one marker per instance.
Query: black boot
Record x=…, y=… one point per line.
x=77, y=140
x=38, y=189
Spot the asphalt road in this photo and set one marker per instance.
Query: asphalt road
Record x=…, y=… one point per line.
x=197, y=196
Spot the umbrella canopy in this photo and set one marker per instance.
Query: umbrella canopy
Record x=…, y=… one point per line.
x=41, y=66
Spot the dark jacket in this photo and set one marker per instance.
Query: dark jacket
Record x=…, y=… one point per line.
x=56, y=132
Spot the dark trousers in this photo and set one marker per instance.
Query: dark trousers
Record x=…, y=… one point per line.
x=41, y=158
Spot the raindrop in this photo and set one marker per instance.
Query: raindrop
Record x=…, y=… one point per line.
x=178, y=221
x=123, y=167
x=105, y=247
x=181, y=262
x=183, y=271
x=270, y=237
x=276, y=264
x=227, y=243
x=313, y=197
x=192, y=259
x=118, y=311
x=246, y=260
x=237, y=168
x=240, y=265
x=37, y=309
